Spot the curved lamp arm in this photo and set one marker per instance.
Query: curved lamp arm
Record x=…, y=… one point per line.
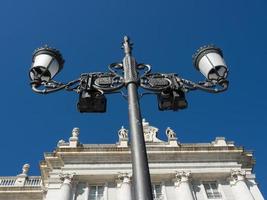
x=53, y=86
x=207, y=86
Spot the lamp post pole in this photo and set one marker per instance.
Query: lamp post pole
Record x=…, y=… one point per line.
x=169, y=88
x=141, y=176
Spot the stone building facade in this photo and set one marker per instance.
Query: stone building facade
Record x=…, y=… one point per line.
x=76, y=171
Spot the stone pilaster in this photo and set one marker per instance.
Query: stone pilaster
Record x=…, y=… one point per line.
x=124, y=187
x=66, y=187
x=239, y=186
x=182, y=184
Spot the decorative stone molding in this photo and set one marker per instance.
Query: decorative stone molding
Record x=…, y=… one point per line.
x=219, y=141
x=181, y=176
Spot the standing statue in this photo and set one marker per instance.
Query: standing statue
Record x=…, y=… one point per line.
x=170, y=133
x=25, y=169
x=75, y=132
x=123, y=133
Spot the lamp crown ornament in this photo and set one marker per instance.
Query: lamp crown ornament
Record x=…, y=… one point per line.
x=127, y=45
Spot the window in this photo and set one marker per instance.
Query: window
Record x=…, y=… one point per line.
x=96, y=192
x=157, y=192
x=211, y=189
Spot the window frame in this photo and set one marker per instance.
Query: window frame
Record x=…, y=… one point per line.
x=162, y=194
x=96, y=186
x=213, y=197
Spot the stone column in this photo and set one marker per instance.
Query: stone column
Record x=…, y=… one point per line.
x=124, y=187
x=66, y=187
x=239, y=186
x=182, y=184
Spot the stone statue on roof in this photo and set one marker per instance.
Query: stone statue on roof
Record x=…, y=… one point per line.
x=150, y=132
x=123, y=133
x=170, y=133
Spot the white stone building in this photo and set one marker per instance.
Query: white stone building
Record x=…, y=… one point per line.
x=76, y=171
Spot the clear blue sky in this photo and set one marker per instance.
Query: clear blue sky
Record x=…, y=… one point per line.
x=166, y=34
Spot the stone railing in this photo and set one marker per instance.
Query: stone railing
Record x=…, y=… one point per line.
x=12, y=181
x=7, y=181
x=33, y=181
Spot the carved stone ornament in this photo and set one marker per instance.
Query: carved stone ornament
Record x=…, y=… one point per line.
x=66, y=177
x=150, y=132
x=238, y=175
x=181, y=176
x=123, y=178
x=123, y=134
x=61, y=142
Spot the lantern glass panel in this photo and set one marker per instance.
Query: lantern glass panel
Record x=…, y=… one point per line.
x=212, y=66
x=40, y=73
x=205, y=66
x=44, y=67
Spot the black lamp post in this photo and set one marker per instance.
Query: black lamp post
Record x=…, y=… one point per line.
x=169, y=88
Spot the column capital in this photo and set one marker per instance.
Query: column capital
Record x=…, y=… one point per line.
x=237, y=175
x=67, y=178
x=181, y=176
x=123, y=178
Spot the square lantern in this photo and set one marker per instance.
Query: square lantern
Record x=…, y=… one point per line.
x=91, y=101
x=209, y=61
x=46, y=63
x=172, y=100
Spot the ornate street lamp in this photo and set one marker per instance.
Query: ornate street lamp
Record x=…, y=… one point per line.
x=169, y=88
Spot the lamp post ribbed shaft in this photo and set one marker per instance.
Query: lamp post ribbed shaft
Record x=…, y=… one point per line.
x=141, y=176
